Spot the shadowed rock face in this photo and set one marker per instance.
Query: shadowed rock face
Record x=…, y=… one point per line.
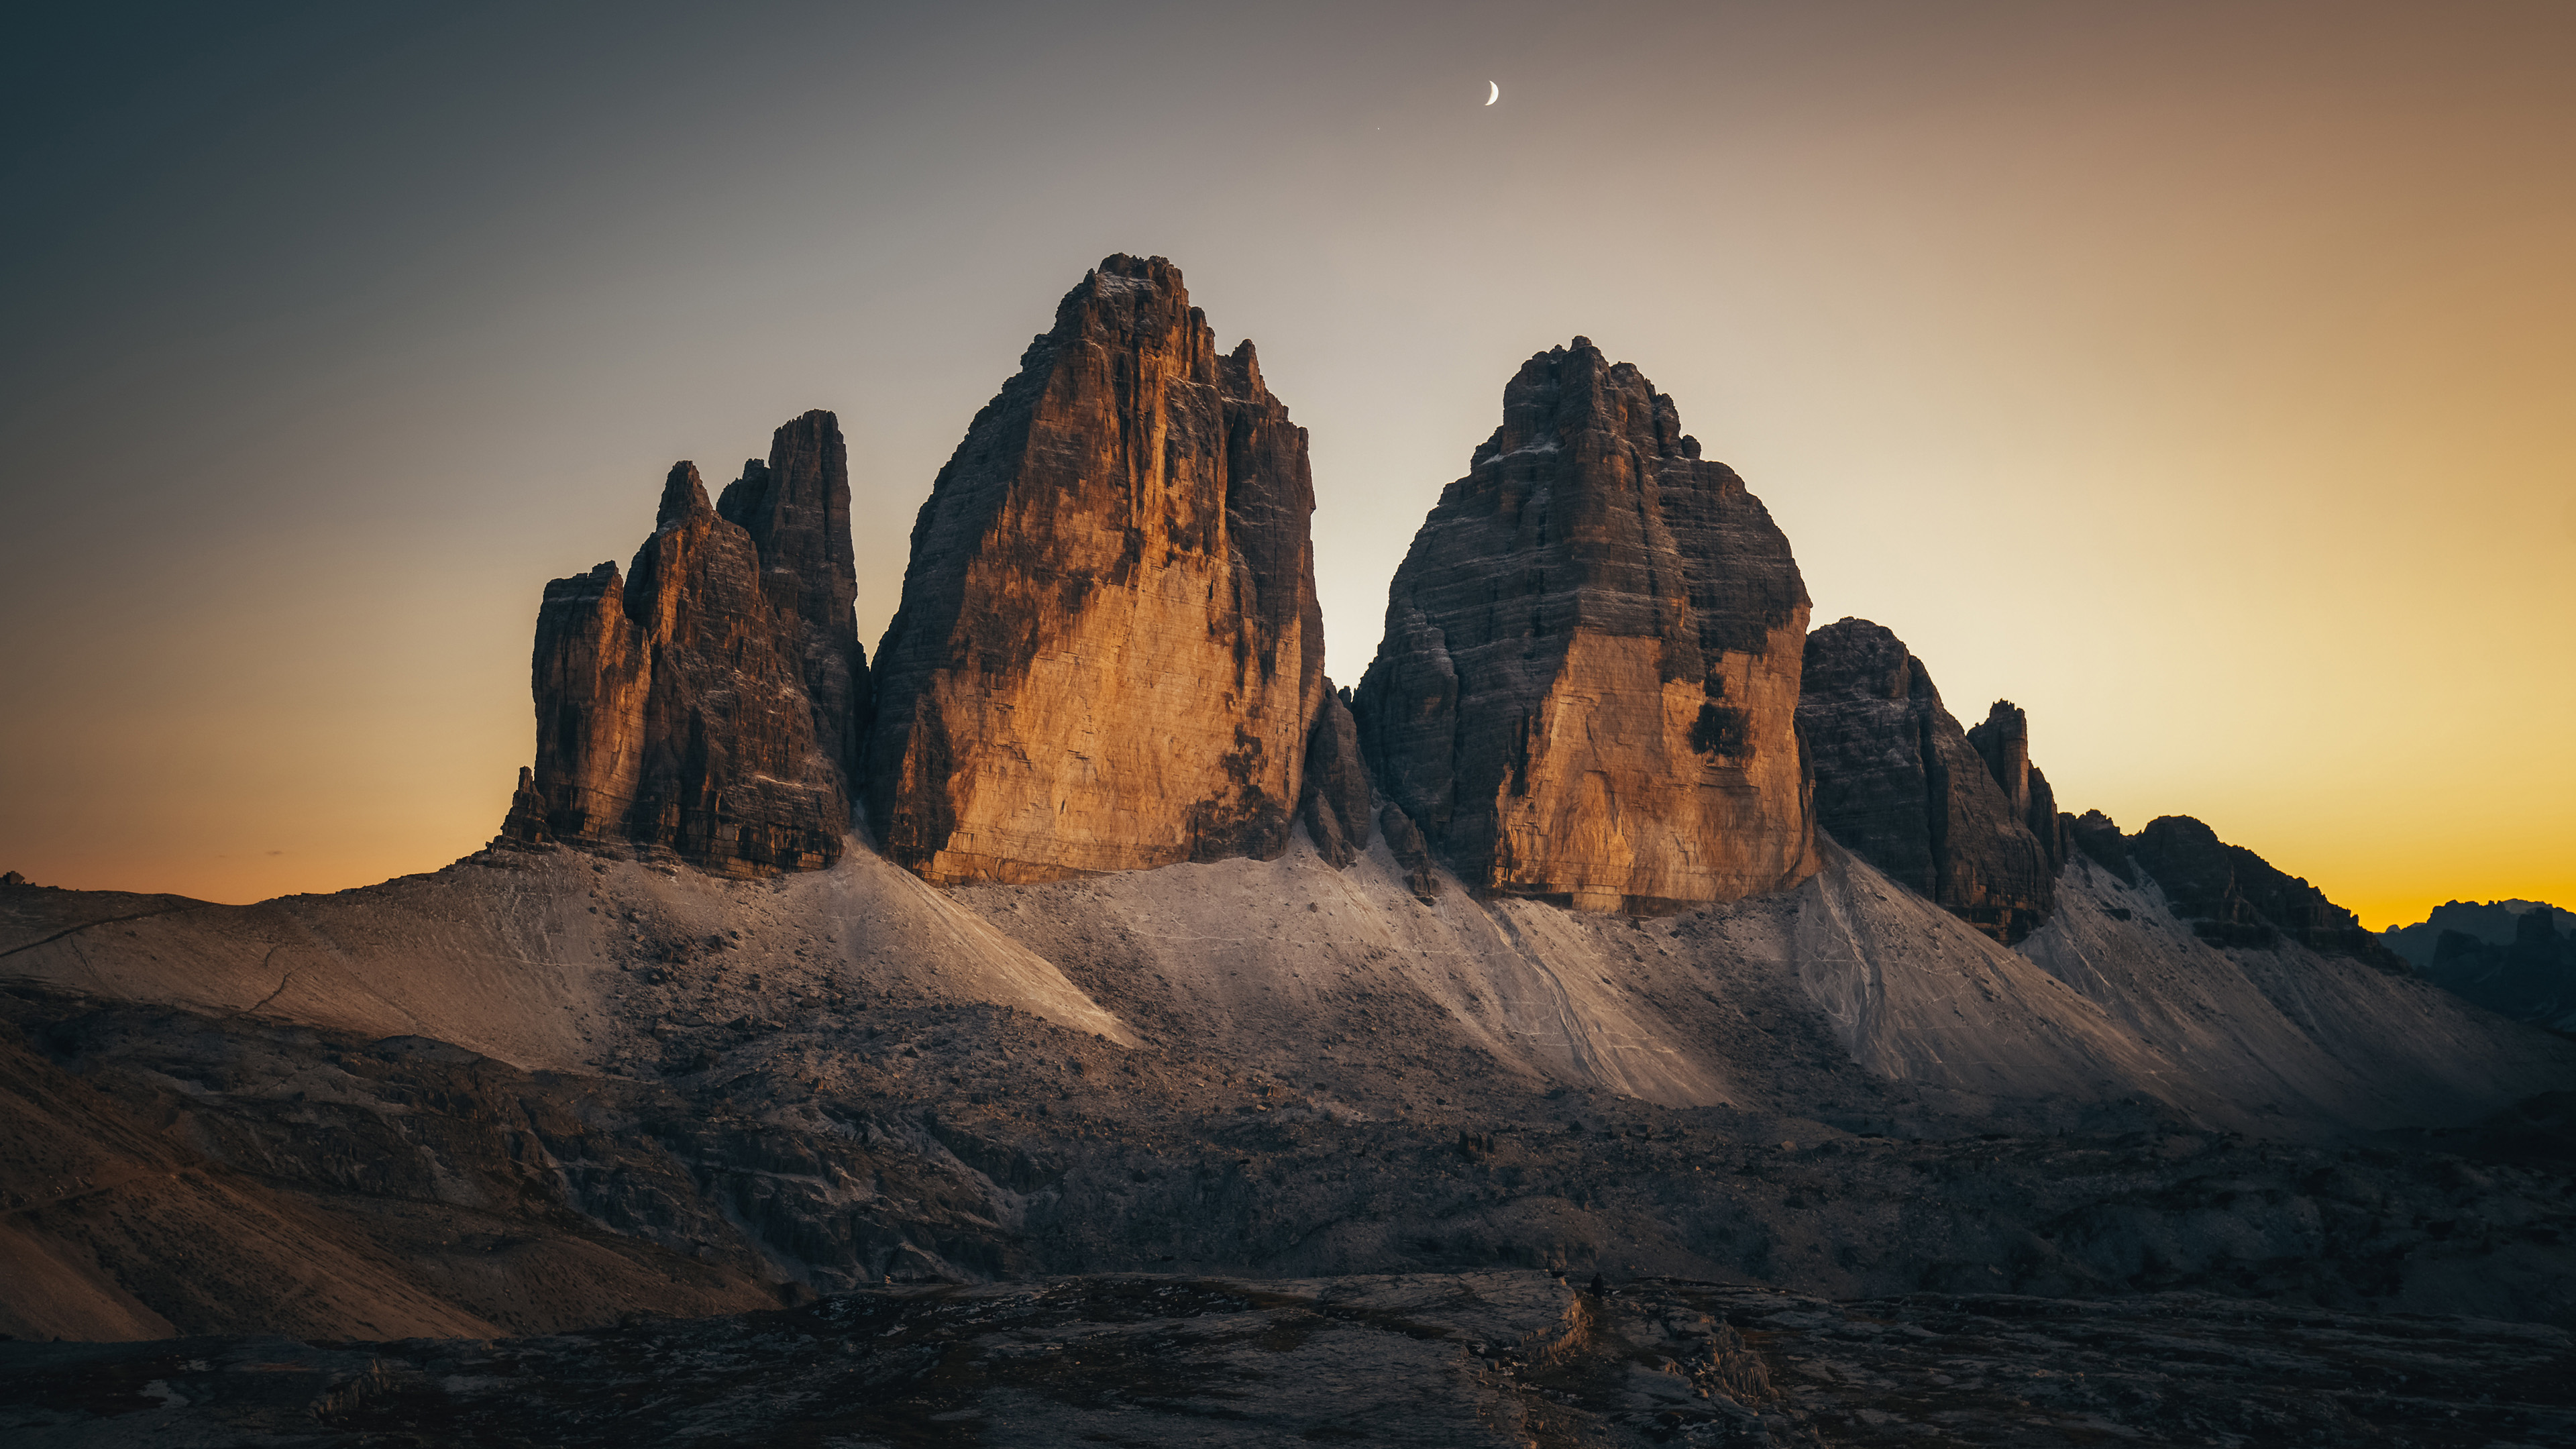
x=1336, y=806
x=2003, y=741
x=2530, y=978
x=2097, y=836
x=796, y=507
x=1108, y=655
x=2493, y=923
x=2233, y=897
x=1900, y=785
x=1590, y=669
x=705, y=703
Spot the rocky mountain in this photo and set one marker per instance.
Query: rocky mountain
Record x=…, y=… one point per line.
x=1587, y=687
x=2003, y=742
x=796, y=507
x=2493, y=923
x=705, y=704
x=2530, y=976
x=1201, y=1027
x=1959, y=818
x=2236, y=898
x=1108, y=655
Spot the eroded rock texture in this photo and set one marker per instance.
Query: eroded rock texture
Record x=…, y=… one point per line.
x=1590, y=669
x=2233, y=897
x=1899, y=784
x=796, y=507
x=1108, y=654
x=705, y=703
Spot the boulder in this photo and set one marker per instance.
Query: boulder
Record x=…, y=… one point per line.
x=1899, y=784
x=1587, y=687
x=1108, y=655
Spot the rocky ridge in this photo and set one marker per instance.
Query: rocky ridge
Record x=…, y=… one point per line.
x=1108, y=655
x=2003, y=742
x=2529, y=978
x=1587, y=685
x=2493, y=923
x=2234, y=897
x=1898, y=783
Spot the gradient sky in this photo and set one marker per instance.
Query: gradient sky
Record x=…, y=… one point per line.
x=2200, y=376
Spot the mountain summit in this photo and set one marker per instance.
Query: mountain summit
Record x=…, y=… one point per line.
x=703, y=703
x=1589, y=679
x=1108, y=655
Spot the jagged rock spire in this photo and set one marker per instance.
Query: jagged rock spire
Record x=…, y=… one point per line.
x=1108, y=654
x=705, y=703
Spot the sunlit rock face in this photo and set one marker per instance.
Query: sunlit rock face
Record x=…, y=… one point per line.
x=1590, y=672
x=1899, y=784
x=1108, y=655
x=704, y=703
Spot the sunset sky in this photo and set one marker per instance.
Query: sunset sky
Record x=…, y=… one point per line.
x=2201, y=377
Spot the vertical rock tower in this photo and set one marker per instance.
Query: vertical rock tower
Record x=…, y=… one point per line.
x=705, y=703
x=2004, y=742
x=1108, y=655
x=796, y=507
x=1900, y=785
x=1589, y=679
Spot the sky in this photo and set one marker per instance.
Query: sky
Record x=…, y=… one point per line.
x=2202, y=377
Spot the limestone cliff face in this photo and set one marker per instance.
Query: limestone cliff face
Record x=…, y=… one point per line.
x=796, y=507
x=1108, y=655
x=1590, y=672
x=1899, y=784
x=703, y=703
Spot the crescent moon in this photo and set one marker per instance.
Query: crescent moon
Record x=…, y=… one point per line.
x=1497, y=92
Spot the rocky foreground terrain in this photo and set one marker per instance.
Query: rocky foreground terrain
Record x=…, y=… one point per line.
x=1500, y=1358
x=1200, y=1053
x=543, y=1092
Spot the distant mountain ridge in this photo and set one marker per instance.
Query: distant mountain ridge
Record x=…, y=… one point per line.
x=2492, y=922
x=2515, y=957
